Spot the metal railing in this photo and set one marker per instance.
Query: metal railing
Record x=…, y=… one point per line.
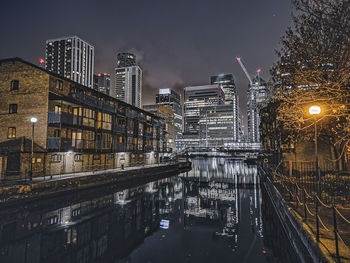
x=310, y=199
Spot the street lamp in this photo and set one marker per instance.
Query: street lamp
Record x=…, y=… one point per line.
x=316, y=110
x=33, y=120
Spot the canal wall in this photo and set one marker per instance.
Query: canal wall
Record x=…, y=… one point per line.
x=303, y=244
x=36, y=190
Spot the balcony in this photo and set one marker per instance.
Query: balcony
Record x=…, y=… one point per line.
x=77, y=144
x=142, y=118
x=60, y=118
x=102, y=145
x=108, y=107
x=77, y=120
x=119, y=129
x=130, y=114
x=148, y=148
x=119, y=147
x=53, y=144
x=93, y=102
x=121, y=111
x=156, y=122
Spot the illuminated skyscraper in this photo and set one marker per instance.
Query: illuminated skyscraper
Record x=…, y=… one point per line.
x=257, y=96
x=128, y=80
x=172, y=100
x=197, y=97
x=227, y=83
x=71, y=57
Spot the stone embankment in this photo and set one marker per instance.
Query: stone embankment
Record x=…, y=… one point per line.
x=43, y=187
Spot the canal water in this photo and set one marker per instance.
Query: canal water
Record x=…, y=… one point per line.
x=217, y=212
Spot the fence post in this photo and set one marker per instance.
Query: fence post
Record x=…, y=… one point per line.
x=335, y=233
x=305, y=212
x=317, y=223
x=296, y=196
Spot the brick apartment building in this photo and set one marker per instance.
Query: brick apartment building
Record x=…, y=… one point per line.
x=78, y=128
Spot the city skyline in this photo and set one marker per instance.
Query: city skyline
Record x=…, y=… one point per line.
x=167, y=49
x=207, y=131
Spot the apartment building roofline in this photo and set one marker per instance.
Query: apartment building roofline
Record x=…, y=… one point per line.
x=101, y=94
x=65, y=37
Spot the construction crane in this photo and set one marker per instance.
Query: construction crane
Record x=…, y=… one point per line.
x=245, y=70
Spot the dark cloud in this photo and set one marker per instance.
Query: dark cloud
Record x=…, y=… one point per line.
x=177, y=43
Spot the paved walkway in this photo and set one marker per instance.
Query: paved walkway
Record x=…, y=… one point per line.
x=81, y=174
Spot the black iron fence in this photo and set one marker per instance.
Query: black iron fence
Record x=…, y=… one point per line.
x=321, y=199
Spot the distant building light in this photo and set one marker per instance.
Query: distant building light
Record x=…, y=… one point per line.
x=164, y=91
x=164, y=224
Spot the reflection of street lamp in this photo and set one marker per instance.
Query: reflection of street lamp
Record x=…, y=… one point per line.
x=316, y=110
x=33, y=120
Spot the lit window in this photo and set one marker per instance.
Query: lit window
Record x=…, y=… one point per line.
x=56, y=158
x=58, y=109
x=78, y=157
x=59, y=84
x=11, y=133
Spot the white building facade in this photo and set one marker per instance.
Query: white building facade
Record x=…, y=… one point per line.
x=257, y=96
x=128, y=80
x=128, y=85
x=71, y=57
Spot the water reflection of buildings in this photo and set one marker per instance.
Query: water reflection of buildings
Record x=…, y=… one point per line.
x=87, y=231
x=108, y=227
x=214, y=190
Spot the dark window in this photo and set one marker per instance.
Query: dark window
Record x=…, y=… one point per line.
x=13, y=108
x=14, y=84
x=59, y=84
x=57, y=133
x=11, y=133
x=133, y=88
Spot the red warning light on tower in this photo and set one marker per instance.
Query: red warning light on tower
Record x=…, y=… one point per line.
x=41, y=60
x=259, y=70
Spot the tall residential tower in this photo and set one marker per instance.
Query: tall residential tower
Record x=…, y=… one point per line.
x=128, y=79
x=71, y=57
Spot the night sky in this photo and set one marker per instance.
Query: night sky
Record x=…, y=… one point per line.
x=177, y=43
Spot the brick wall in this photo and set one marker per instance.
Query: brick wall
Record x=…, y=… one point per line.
x=31, y=98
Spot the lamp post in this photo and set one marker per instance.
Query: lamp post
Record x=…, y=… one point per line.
x=316, y=110
x=33, y=120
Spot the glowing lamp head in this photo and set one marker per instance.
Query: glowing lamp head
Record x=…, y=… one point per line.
x=33, y=120
x=239, y=59
x=315, y=110
x=41, y=61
